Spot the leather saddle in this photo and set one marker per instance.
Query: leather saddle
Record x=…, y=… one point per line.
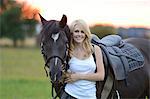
x=121, y=56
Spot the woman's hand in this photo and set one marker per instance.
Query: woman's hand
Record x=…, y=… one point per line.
x=71, y=77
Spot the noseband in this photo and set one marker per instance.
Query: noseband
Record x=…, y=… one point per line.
x=63, y=61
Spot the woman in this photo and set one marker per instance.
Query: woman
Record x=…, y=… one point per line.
x=81, y=78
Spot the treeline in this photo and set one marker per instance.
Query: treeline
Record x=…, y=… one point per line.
x=14, y=24
x=19, y=21
x=103, y=30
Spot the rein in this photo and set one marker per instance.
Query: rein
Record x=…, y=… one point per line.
x=64, y=69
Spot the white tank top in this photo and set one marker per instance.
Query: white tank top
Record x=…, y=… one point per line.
x=82, y=89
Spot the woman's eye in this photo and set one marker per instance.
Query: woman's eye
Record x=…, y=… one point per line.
x=82, y=31
x=76, y=31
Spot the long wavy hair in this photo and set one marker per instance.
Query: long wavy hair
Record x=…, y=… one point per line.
x=87, y=46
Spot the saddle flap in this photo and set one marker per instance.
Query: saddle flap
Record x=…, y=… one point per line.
x=116, y=63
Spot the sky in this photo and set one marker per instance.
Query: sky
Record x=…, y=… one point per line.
x=116, y=12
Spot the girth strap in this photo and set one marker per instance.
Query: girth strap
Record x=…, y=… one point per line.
x=107, y=87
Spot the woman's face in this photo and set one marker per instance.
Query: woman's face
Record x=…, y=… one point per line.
x=78, y=34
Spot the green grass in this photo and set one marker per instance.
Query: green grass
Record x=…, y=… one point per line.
x=22, y=75
x=24, y=89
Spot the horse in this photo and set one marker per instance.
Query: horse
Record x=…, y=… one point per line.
x=136, y=84
x=54, y=43
x=55, y=37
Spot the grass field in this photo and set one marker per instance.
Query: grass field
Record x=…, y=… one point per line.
x=22, y=75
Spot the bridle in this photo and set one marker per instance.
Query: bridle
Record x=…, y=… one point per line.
x=64, y=67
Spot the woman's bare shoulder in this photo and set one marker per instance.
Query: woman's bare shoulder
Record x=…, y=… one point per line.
x=97, y=47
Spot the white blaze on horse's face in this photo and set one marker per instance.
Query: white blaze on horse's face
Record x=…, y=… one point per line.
x=56, y=60
x=55, y=36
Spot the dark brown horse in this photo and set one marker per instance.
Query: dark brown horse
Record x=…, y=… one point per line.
x=55, y=36
x=54, y=47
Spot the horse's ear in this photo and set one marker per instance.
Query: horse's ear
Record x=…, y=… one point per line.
x=63, y=21
x=42, y=20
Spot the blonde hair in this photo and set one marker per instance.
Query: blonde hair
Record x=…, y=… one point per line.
x=87, y=42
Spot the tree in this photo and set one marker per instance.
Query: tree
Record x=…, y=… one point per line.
x=101, y=30
x=13, y=26
x=4, y=4
x=29, y=27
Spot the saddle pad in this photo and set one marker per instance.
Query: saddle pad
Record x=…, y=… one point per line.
x=134, y=56
x=124, y=59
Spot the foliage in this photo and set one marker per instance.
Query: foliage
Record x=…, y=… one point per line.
x=102, y=30
x=29, y=27
x=5, y=4
x=22, y=75
x=13, y=26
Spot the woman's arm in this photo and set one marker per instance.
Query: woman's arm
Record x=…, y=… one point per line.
x=98, y=76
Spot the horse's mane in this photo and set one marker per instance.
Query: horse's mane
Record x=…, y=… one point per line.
x=67, y=31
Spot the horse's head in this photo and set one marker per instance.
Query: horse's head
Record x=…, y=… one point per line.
x=54, y=46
